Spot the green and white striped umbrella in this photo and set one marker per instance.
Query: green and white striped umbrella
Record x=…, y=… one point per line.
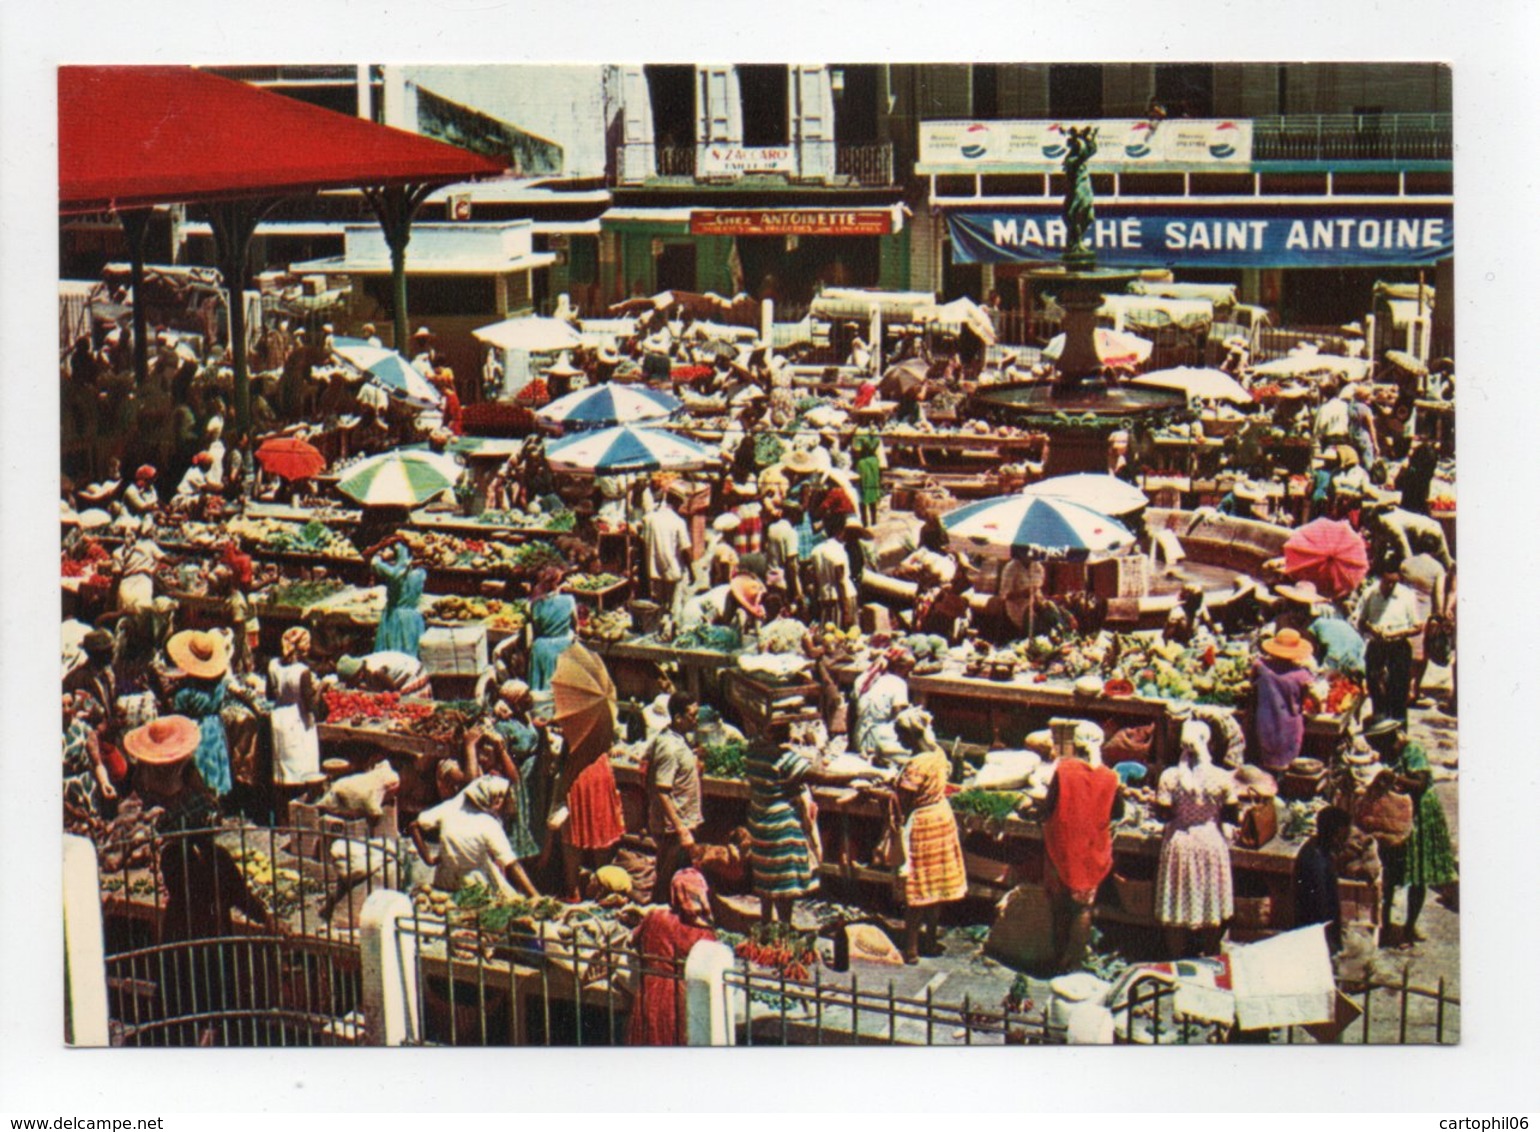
x=403, y=478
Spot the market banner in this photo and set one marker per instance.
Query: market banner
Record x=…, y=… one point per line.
x=1122, y=144
x=736, y=159
x=1176, y=235
x=791, y=222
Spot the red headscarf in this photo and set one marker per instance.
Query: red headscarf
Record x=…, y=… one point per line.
x=691, y=897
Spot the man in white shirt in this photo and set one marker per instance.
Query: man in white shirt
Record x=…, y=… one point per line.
x=1388, y=620
x=835, y=591
x=666, y=540
x=1333, y=420
x=781, y=543
x=674, y=789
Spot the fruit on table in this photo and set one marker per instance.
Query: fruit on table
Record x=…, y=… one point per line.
x=590, y=583
x=614, y=625
x=498, y=614
x=304, y=538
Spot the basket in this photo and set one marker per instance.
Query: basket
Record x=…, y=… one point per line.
x=932, y=502
x=645, y=616
x=1253, y=913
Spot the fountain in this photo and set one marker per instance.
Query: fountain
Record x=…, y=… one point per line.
x=1078, y=409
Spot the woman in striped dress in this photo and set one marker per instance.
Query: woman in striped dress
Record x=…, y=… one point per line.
x=933, y=872
x=785, y=850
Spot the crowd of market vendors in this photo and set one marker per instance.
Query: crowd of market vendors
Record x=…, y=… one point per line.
x=188, y=725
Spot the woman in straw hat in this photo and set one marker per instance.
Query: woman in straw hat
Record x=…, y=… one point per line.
x=1280, y=680
x=165, y=777
x=292, y=687
x=204, y=661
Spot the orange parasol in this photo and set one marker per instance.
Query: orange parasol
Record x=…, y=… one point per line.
x=290, y=458
x=585, y=700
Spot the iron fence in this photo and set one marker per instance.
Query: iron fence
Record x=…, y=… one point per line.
x=182, y=969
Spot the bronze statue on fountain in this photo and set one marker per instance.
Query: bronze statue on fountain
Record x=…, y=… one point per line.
x=1077, y=408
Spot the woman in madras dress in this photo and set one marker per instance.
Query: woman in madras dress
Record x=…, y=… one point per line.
x=933, y=872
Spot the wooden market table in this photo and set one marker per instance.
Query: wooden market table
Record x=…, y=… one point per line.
x=1004, y=853
x=1021, y=701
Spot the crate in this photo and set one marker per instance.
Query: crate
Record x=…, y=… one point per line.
x=1253, y=913
x=1136, y=896
x=986, y=870
x=460, y=650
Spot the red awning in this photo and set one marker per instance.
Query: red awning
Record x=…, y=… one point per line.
x=130, y=137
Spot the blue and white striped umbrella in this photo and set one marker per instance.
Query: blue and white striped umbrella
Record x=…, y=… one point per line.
x=390, y=370
x=614, y=451
x=1026, y=525
x=610, y=404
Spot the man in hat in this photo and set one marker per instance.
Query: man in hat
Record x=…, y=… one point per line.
x=370, y=335
x=1387, y=618
x=666, y=543
x=94, y=676
x=424, y=356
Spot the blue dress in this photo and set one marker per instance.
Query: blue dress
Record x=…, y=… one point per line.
x=552, y=619
x=401, y=625
x=521, y=740
x=201, y=701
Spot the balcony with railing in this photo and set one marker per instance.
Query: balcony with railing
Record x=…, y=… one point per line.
x=1308, y=138
x=832, y=164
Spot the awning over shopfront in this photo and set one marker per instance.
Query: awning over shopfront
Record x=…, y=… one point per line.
x=1199, y=234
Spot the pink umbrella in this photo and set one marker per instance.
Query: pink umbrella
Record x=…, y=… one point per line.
x=1328, y=553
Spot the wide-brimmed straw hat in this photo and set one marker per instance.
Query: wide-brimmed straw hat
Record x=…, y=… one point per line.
x=163, y=741
x=1381, y=726
x=1255, y=780
x=1303, y=592
x=201, y=654
x=800, y=461
x=563, y=367
x=1288, y=645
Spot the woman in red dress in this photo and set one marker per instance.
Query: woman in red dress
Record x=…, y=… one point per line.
x=663, y=942
x=588, y=812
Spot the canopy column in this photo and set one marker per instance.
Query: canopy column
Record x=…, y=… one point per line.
x=395, y=206
x=234, y=222
x=136, y=226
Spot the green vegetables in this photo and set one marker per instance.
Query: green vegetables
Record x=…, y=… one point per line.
x=768, y=449
x=713, y=638
x=299, y=595
x=997, y=804
x=926, y=646
x=728, y=759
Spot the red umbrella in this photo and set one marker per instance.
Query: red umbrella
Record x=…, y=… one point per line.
x=1328, y=553
x=290, y=458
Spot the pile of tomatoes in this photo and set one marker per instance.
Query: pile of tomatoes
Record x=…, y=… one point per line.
x=342, y=705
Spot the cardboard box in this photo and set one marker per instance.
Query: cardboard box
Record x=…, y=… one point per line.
x=460, y=650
